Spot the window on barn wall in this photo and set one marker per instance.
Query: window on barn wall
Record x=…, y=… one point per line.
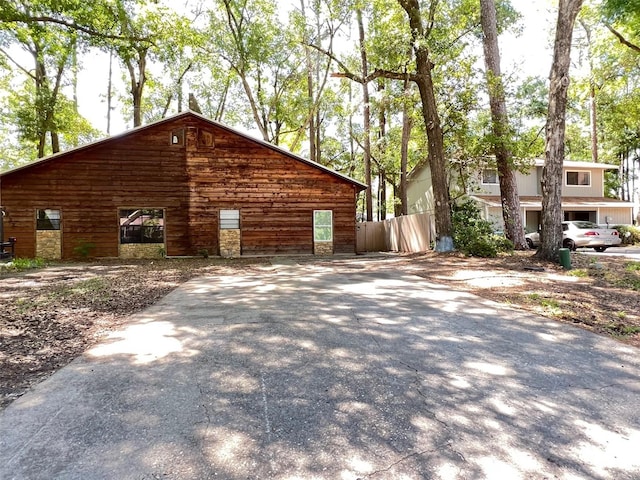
x=578, y=178
x=47, y=219
x=229, y=219
x=322, y=225
x=177, y=137
x=205, y=138
x=139, y=225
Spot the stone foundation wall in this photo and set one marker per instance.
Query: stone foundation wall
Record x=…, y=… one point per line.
x=323, y=248
x=49, y=244
x=230, y=243
x=141, y=250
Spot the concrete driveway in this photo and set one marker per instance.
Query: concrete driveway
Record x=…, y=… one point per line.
x=341, y=370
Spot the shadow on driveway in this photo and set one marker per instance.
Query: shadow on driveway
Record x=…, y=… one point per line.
x=336, y=370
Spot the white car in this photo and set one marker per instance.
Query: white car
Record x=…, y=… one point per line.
x=580, y=233
x=533, y=239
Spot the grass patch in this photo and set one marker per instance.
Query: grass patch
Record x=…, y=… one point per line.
x=634, y=283
x=97, y=288
x=552, y=306
x=21, y=264
x=579, y=272
x=621, y=329
x=629, y=279
x=91, y=285
x=24, y=305
x=549, y=304
x=632, y=267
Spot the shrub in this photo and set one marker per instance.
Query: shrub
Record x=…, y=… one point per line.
x=473, y=235
x=482, y=247
x=503, y=244
x=84, y=249
x=20, y=264
x=629, y=234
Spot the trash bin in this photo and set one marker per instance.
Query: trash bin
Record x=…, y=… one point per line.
x=565, y=258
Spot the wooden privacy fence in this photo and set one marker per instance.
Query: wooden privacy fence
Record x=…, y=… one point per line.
x=410, y=233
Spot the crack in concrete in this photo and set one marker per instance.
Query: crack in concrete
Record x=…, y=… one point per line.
x=265, y=406
x=34, y=436
x=417, y=381
x=359, y=322
x=204, y=405
x=404, y=459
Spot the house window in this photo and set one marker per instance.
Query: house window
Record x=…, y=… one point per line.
x=322, y=226
x=489, y=176
x=48, y=219
x=138, y=225
x=578, y=178
x=229, y=219
x=177, y=137
x=205, y=138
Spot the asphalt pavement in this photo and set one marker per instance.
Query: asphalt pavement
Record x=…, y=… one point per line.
x=344, y=369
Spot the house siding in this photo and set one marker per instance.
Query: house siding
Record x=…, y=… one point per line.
x=89, y=186
x=529, y=185
x=596, y=189
x=576, y=200
x=420, y=191
x=525, y=186
x=618, y=216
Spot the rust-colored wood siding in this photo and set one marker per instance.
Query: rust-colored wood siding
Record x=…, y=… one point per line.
x=88, y=186
x=275, y=193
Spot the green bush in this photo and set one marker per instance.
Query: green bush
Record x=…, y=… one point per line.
x=84, y=249
x=503, y=244
x=20, y=264
x=473, y=235
x=629, y=234
x=482, y=247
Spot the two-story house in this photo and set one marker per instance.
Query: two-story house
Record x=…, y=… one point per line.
x=583, y=194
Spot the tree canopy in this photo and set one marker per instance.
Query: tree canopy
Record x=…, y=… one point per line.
x=293, y=74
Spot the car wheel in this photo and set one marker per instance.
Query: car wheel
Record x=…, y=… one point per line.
x=530, y=242
x=599, y=249
x=570, y=244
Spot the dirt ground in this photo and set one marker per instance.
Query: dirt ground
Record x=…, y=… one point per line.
x=48, y=316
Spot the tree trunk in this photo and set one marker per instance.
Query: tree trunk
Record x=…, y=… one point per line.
x=437, y=162
x=594, y=122
x=592, y=95
x=551, y=240
x=382, y=191
x=511, y=214
x=404, y=150
x=310, y=89
x=137, y=83
x=366, y=119
x=109, y=92
x=382, y=152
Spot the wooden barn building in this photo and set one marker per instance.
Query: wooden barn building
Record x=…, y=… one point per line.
x=182, y=186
